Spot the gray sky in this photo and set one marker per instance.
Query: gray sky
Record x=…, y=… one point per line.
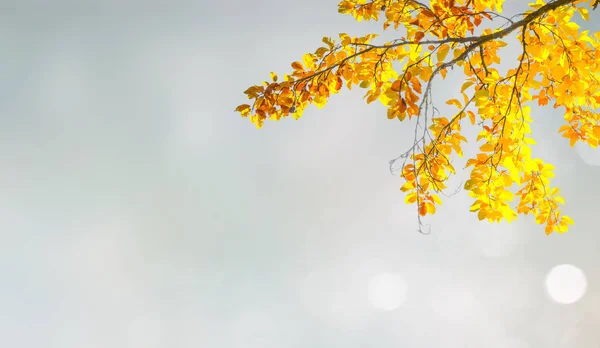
x=138, y=210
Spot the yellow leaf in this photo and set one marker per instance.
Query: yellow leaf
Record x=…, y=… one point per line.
x=443, y=72
x=328, y=41
x=468, y=184
x=274, y=76
x=442, y=52
x=573, y=139
x=531, y=166
x=345, y=38
x=558, y=72
x=409, y=185
x=507, y=213
x=475, y=206
x=320, y=52
x=506, y=196
x=391, y=114
x=471, y=116
x=426, y=73
x=466, y=85
x=410, y=198
x=541, y=218
x=566, y=219
x=572, y=26
x=481, y=215
x=454, y=102
x=430, y=208
x=482, y=94
x=487, y=147
x=320, y=101
x=308, y=61
x=562, y=228
x=297, y=113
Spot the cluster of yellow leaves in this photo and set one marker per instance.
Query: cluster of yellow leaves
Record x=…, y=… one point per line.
x=313, y=80
x=558, y=64
x=440, y=18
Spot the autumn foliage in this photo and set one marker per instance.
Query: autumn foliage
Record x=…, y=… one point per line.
x=558, y=66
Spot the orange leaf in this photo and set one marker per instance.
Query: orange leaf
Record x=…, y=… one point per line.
x=471, y=116
x=242, y=107
x=297, y=66
x=418, y=36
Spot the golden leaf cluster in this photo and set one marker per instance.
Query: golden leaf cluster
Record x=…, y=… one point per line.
x=559, y=65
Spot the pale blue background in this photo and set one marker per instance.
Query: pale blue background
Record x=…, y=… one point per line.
x=138, y=210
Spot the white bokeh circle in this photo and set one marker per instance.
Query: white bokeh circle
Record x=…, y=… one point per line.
x=387, y=291
x=566, y=284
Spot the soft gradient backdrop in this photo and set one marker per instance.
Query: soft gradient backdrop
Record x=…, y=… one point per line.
x=138, y=210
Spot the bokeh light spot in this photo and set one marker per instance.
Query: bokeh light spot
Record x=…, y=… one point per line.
x=566, y=284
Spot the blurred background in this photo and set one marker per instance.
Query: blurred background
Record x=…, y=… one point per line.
x=138, y=210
